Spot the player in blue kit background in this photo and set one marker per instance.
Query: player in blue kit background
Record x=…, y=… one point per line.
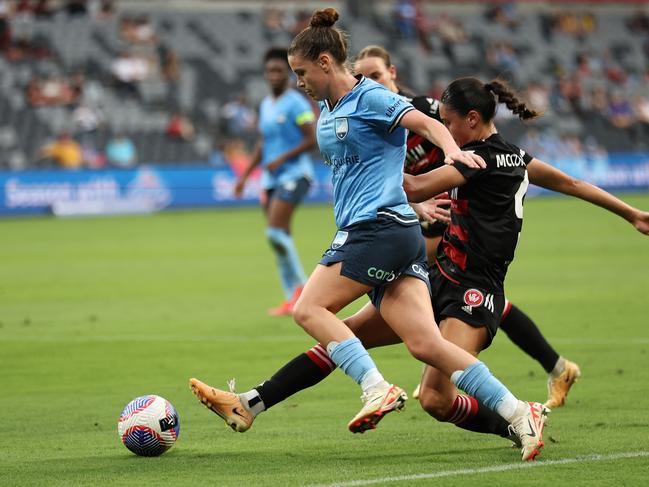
x=378, y=249
x=286, y=122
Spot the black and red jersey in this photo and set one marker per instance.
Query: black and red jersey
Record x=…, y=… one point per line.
x=486, y=215
x=421, y=154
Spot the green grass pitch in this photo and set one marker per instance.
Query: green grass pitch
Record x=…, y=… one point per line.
x=94, y=312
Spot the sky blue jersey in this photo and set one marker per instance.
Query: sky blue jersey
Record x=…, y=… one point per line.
x=361, y=140
x=279, y=125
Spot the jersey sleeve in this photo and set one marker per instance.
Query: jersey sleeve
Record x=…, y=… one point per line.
x=385, y=108
x=527, y=158
x=428, y=106
x=469, y=172
x=301, y=111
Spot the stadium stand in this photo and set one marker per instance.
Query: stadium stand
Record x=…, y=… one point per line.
x=128, y=68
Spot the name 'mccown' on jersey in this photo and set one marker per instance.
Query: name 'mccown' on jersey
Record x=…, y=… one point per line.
x=486, y=215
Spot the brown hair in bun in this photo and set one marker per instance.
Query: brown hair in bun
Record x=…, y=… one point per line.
x=321, y=36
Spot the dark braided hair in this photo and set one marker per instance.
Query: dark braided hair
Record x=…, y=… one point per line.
x=321, y=36
x=466, y=94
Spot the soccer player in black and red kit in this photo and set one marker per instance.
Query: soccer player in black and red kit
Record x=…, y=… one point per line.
x=421, y=157
x=471, y=263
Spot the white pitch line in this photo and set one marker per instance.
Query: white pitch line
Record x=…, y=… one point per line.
x=498, y=468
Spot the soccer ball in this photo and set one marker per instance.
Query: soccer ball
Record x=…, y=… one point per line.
x=149, y=425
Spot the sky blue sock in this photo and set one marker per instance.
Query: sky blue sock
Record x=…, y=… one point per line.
x=350, y=355
x=477, y=381
x=279, y=238
x=284, y=265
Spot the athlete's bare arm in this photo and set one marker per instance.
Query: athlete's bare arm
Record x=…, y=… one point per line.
x=439, y=135
x=548, y=177
x=425, y=186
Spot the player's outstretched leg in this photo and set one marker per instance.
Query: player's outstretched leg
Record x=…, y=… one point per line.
x=560, y=380
x=227, y=405
x=377, y=402
x=528, y=423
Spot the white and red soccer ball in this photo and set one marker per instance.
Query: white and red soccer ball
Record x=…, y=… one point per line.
x=149, y=425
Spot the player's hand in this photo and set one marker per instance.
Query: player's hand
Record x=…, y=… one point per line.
x=468, y=158
x=273, y=166
x=238, y=188
x=641, y=222
x=432, y=210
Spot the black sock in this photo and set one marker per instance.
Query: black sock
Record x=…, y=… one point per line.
x=304, y=371
x=523, y=332
x=470, y=414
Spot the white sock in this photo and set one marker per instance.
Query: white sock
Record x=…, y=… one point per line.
x=372, y=378
x=507, y=408
x=559, y=367
x=252, y=401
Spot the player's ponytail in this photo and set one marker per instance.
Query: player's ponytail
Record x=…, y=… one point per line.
x=507, y=96
x=466, y=94
x=321, y=36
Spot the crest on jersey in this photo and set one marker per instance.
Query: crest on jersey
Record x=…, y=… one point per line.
x=342, y=127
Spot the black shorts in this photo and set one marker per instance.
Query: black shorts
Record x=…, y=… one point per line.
x=377, y=252
x=473, y=305
x=292, y=191
x=432, y=230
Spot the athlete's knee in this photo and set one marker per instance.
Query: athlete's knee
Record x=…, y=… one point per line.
x=434, y=403
x=303, y=311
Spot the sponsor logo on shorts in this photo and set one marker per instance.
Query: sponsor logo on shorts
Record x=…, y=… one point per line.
x=381, y=275
x=489, y=302
x=417, y=269
x=473, y=298
x=339, y=239
x=467, y=309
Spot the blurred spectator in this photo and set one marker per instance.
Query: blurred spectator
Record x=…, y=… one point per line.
x=301, y=22
x=239, y=119
x=639, y=22
x=86, y=118
x=50, y=91
x=503, y=13
x=92, y=158
x=128, y=70
x=641, y=106
x=451, y=32
x=180, y=127
x=103, y=9
x=64, y=151
x=5, y=27
x=620, y=110
x=43, y=9
x=502, y=57
x=137, y=30
x=121, y=152
x=276, y=24
x=404, y=15
x=76, y=7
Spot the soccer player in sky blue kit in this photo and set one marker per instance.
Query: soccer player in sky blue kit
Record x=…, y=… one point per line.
x=378, y=249
x=287, y=134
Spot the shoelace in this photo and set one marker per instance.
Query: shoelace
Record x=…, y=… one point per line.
x=232, y=385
